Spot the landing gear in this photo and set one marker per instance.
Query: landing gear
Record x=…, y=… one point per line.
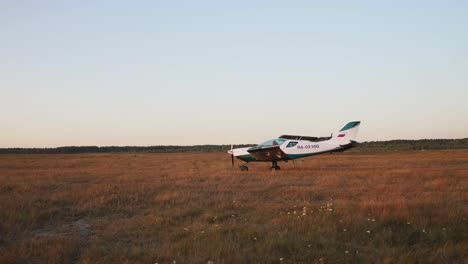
x=274, y=165
x=244, y=167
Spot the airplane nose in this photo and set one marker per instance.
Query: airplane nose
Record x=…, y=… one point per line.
x=230, y=152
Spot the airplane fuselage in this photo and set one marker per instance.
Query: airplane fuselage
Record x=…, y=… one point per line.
x=289, y=150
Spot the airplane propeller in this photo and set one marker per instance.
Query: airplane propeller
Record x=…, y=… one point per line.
x=232, y=155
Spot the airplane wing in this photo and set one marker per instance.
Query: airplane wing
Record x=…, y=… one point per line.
x=265, y=153
x=308, y=138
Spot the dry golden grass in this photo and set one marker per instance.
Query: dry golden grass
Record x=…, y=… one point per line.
x=193, y=208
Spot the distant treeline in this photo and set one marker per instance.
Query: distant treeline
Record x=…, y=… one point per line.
x=116, y=149
x=422, y=144
x=392, y=145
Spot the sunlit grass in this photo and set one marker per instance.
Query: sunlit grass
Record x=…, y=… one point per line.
x=194, y=208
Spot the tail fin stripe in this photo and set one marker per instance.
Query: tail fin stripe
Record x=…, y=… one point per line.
x=350, y=125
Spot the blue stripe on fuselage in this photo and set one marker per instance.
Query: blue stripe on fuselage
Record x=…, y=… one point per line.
x=246, y=157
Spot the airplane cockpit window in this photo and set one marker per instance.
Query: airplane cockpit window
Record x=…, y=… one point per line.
x=291, y=144
x=273, y=142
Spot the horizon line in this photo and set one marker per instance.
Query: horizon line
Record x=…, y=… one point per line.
x=172, y=145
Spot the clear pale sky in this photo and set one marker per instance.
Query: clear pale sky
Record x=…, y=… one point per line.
x=211, y=72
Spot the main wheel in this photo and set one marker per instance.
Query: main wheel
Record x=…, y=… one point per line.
x=244, y=168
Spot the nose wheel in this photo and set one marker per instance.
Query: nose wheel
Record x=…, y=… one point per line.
x=274, y=165
x=244, y=167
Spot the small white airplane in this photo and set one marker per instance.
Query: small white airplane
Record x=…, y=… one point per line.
x=288, y=147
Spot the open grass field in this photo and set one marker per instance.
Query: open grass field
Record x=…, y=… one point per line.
x=394, y=207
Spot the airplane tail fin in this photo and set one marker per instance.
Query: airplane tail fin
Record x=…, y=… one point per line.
x=348, y=133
